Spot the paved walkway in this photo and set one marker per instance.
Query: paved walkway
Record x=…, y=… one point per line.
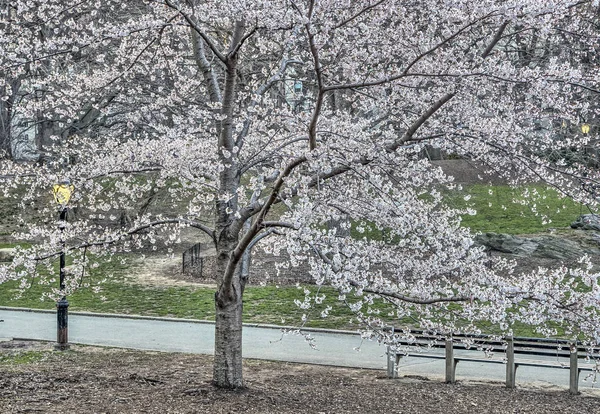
x=185, y=335
x=261, y=342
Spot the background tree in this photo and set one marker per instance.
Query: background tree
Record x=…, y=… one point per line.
x=194, y=98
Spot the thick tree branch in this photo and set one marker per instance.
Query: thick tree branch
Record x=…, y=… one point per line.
x=495, y=40
x=312, y=128
x=204, y=65
x=258, y=223
x=240, y=42
x=226, y=137
x=407, y=136
x=267, y=224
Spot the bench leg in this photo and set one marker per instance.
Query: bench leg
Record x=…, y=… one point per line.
x=573, y=371
x=511, y=368
x=393, y=363
x=391, y=369
x=450, y=363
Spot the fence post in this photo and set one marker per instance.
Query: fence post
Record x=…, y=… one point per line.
x=511, y=368
x=450, y=365
x=391, y=362
x=392, y=359
x=183, y=263
x=573, y=369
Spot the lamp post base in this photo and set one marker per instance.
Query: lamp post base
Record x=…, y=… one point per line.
x=62, y=347
x=62, y=333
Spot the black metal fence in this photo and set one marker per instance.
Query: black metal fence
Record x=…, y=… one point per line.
x=193, y=261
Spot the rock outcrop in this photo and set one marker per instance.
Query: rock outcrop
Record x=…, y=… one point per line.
x=587, y=222
x=547, y=247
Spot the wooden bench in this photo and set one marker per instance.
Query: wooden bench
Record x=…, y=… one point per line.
x=508, y=348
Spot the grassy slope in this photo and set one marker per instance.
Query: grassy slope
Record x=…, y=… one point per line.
x=503, y=209
x=262, y=304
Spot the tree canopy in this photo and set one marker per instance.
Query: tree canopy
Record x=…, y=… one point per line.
x=274, y=119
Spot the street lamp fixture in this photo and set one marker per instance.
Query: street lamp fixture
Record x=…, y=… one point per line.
x=585, y=128
x=62, y=195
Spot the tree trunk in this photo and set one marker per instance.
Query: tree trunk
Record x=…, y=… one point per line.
x=227, y=371
x=6, y=117
x=5, y=127
x=228, y=342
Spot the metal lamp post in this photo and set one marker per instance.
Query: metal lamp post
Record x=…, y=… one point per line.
x=62, y=195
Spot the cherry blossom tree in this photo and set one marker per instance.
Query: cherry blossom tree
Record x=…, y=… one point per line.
x=272, y=119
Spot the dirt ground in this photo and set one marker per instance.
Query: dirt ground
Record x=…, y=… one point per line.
x=102, y=380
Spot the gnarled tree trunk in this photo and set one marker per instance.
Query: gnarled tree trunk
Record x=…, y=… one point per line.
x=227, y=370
x=228, y=342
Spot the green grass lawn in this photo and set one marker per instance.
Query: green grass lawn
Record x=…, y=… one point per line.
x=503, y=209
x=262, y=304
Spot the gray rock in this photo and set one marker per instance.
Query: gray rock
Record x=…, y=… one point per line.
x=506, y=243
x=548, y=247
x=6, y=255
x=587, y=222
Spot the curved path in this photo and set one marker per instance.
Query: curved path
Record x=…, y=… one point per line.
x=338, y=348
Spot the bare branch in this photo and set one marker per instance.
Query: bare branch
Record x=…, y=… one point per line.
x=269, y=156
x=261, y=236
x=210, y=232
x=279, y=224
x=358, y=14
x=406, y=70
x=132, y=64
x=407, y=136
x=132, y=171
x=200, y=32
x=418, y=301
x=495, y=40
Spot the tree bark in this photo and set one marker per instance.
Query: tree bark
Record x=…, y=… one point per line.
x=227, y=371
x=228, y=343
x=6, y=116
x=5, y=131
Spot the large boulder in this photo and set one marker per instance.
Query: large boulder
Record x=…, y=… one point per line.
x=587, y=222
x=6, y=255
x=548, y=247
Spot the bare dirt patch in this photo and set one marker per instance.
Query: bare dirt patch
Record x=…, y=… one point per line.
x=100, y=380
x=162, y=270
